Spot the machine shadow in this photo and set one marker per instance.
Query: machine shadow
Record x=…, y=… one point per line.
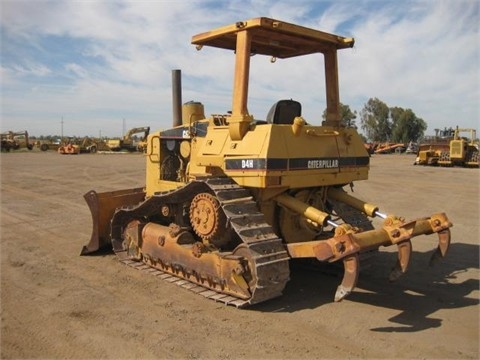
x=422, y=291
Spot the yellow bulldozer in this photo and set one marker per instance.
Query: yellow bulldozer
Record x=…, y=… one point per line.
x=448, y=148
x=231, y=198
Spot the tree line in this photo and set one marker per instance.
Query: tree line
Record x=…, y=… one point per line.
x=382, y=123
x=379, y=122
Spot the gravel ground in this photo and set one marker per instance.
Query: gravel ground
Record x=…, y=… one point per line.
x=56, y=304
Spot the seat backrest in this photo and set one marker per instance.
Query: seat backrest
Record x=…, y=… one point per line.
x=284, y=111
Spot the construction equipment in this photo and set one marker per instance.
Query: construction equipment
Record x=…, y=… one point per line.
x=388, y=148
x=92, y=145
x=412, y=148
x=69, y=147
x=128, y=142
x=79, y=146
x=15, y=140
x=230, y=199
x=448, y=148
x=45, y=145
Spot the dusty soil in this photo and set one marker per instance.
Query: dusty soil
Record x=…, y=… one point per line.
x=56, y=304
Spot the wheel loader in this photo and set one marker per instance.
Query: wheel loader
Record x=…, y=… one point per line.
x=231, y=198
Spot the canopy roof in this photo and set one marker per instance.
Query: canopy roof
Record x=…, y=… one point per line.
x=274, y=38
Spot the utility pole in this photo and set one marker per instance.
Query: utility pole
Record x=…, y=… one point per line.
x=123, y=127
x=62, y=127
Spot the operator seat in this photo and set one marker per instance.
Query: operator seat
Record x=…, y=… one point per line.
x=284, y=111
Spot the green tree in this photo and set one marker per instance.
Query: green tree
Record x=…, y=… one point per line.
x=375, y=120
x=406, y=125
x=346, y=114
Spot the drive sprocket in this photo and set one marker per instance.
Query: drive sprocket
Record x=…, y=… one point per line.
x=208, y=220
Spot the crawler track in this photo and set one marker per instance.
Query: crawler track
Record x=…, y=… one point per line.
x=186, y=284
x=264, y=250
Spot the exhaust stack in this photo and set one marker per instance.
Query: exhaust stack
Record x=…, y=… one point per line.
x=177, y=97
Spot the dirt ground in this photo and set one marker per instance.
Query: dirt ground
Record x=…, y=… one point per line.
x=56, y=304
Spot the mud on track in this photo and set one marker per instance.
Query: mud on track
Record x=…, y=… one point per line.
x=56, y=304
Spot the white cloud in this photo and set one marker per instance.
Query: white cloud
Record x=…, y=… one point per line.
x=115, y=60
x=426, y=59
x=77, y=70
x=30, y=69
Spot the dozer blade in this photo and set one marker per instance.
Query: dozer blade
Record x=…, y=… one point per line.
x=102, y=207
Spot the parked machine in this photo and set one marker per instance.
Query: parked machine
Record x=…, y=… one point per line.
x=388, y=148
x=128, y=142
x=50, y=144
x=69, y=148
x=448, y=148
x=14, y=140
x=83, y=145
x=230, y=199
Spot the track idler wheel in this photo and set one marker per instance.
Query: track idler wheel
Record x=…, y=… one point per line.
x=247, y=278
x=132, y=236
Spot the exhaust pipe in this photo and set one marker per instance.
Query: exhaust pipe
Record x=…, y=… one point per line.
x=177, y=97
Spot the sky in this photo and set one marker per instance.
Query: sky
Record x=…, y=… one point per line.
x=99, y=68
